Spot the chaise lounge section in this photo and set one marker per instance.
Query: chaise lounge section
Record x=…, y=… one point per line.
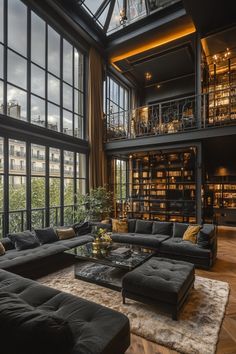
x=93, y=329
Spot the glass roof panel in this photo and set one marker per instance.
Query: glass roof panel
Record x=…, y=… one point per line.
x=92, y=5
x=121, y=17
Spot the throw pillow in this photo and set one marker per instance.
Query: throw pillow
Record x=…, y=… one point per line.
x=47, y=235
x=191, y=233
x=8, y=245
x=143, y=227
x=179, y=229
x=119, y=226
x=24, y=240
x=131, y=225
x=206, y=235
x=162, y=228
x=28, y=330
x=2, y=249
x=64, y=234
x=82, y=228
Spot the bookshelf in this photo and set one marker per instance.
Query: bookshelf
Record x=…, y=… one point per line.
x=163, y=186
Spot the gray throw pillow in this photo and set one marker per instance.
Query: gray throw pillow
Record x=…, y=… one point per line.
x=143, y=227
x=179, y=229
x=24, y=240
x=46, y=235
x=162, y=228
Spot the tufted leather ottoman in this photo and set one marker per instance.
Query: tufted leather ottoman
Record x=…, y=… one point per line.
x=160, y=281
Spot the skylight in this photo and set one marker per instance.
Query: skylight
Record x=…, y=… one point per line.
x=113, y=15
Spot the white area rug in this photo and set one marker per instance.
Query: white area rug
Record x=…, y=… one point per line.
x=197, y=330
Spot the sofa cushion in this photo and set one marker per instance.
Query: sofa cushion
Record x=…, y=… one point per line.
x=162, y=228
x=82, y=228
x=28, y=330
x=24, y=240
x=191, y=233
x=177, y=246
x=143, y=227
x=46, y=235
x=131, y=225
x=2, y=249
x=8, y=245
x=206, y=236
x=179, y=229
x=64, y=234
x=145, y=240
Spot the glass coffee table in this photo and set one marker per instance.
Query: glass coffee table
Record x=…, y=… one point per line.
x=108, y=265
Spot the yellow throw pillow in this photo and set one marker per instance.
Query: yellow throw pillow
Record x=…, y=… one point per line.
x=191, y=233
x=2, y=249
x=119, y=226
x=64, y=234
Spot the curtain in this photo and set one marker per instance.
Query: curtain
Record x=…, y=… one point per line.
x=97, y=161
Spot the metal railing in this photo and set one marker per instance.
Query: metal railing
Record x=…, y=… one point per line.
x=216, y=108
x=18, y=218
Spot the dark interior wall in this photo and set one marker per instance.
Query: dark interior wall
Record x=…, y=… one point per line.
x=219, y=156
x=183, y=86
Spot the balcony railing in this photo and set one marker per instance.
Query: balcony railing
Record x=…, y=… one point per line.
x=210, y=109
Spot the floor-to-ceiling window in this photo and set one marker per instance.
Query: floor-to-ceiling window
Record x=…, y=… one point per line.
x=41, y=83
x=116, y=106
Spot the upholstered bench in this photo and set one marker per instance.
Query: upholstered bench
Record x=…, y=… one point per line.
x=160, y=281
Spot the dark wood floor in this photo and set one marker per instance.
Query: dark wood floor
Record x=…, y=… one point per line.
x=225, y=270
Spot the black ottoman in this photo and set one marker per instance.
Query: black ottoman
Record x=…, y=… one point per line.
x=160, y=281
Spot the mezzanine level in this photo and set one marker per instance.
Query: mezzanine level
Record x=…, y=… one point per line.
x=169, y=121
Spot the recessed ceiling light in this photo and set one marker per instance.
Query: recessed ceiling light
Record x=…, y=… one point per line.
x=158, y=86
x=148, y=76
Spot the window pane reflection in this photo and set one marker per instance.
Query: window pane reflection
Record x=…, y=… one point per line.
x=78, y=69
x=1, y=21
x=1, y=98
x=37, y=39
x=53, y=117
x=37, y=80
x=37, y=159
x=78, y=130
x=68, y=163
x=53, y=89
x=67, y=97
x=37, y=111
x=54, y=162
x=17, y=69
x=79, y=97
x=17, y=157
x=67, y=123
x=16, y=102
x=53, y=51
x=67, y=61
x=1, y=61
x=17, y=26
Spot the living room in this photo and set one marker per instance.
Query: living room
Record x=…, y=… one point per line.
x=117, y=176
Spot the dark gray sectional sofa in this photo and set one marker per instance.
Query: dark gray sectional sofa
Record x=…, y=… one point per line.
x=36, y=319
x=167, y=239
x=14, y=258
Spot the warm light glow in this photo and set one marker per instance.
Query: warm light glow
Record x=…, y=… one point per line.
x=148, y=76
x=154, y=44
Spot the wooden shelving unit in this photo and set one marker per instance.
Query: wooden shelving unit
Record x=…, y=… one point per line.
x=163, y=186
